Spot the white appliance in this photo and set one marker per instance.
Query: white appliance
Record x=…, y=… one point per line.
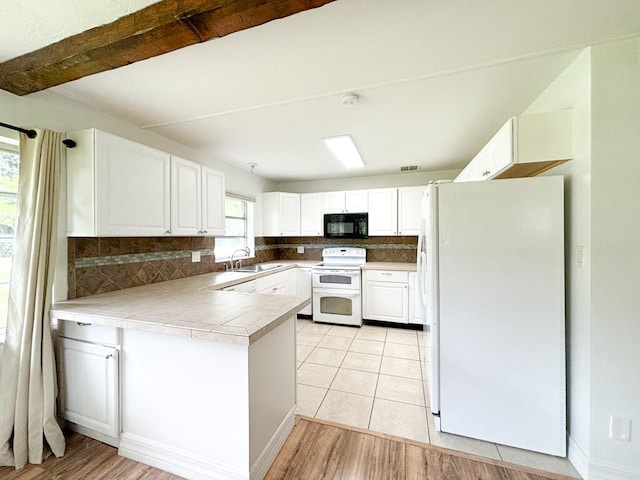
x=336, y=286
x=491, y=268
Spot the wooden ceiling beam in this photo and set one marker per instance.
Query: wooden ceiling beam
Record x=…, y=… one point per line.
x=159, y=28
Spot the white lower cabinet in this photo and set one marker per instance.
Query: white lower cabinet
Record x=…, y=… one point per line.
x=385, y=295
x=415, y=313
x=89, y=388
x=275, y=283
x=303, y=287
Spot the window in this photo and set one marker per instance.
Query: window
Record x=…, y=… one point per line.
x=238, y=227
x=9, y=163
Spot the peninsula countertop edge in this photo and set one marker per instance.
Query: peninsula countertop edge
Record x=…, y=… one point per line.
x=194, y=307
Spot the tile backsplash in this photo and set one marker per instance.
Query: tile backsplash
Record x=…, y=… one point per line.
x=98, y=265
x=379, y=249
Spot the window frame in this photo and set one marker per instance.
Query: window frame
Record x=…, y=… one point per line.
x=11, y=146
x=249, y=237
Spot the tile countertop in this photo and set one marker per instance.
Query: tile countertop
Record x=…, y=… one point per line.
x=189, y=307
x=395, y=266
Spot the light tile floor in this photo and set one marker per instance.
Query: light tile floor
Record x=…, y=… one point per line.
x=373, y=377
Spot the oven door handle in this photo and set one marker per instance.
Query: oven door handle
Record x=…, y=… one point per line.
x=337, y=292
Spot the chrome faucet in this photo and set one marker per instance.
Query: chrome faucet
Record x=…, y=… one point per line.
x=243, y=250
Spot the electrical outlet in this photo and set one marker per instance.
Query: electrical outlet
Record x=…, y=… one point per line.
x=195, y=256
x=620, y=428
x=300, y=249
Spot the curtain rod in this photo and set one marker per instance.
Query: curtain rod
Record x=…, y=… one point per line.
x=33, y=134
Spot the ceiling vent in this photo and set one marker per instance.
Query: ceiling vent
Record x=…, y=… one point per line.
x=409, y=168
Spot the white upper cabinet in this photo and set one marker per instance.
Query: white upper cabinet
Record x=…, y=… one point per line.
x=186, y=197
x=213, y=193
x=383, y=211
x=197, y=199
x=351, y=201
x=116, y=187
x=311, y=217
x=410, y=209
x=525, y=146
x=280, y=214
x=120, y=188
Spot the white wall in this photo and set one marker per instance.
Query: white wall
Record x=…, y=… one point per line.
x=615, y=272
x=378, y=181
x=603, y=87
x=572, y=89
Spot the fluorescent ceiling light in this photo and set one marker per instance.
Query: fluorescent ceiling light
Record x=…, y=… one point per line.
x=345, y=150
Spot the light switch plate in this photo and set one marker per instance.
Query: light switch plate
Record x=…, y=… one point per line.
x=195, y=256
x=300, y=249
x=620, y=428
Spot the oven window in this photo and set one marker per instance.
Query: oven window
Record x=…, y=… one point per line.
x=336, y=305
x=333, y=279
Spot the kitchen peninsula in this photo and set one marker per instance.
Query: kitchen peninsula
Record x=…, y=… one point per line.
x=188, y=378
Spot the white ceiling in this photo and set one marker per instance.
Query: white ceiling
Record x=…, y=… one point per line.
x=436, y=77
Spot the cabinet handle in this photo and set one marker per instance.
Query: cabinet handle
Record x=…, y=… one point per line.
x=168, y=232
x=108, y=356
x=204, y=232
x=81, y=324
x=386, y=273
x=485, y=173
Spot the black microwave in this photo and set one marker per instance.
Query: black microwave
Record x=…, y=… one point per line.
x=346, y=225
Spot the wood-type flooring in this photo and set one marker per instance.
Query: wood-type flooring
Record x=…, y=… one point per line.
x=315, y=450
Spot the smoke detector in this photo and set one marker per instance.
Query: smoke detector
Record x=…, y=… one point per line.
x=349, y=99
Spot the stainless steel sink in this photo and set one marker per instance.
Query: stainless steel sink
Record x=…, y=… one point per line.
x=256, y=268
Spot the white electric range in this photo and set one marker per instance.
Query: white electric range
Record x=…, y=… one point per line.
x=336, y=286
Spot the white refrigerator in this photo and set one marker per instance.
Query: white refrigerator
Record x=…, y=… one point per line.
x=491, y=278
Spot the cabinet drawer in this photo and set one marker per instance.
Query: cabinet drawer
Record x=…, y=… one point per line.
x=87, y=332
x=276, y=289
x=387, y=276
x=271, y=280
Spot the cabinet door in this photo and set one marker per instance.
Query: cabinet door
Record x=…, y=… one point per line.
x=468, y=174
x=415, y=313
x=311, y=219
x=386, y=301
x=213, y=192
x=289, y=214
x=409, y=210
x=356, y=201
x=186, y=197
x=89, y=386
x=500, y=150
x=303, y=287
x=133, y=188
x=383, y=211
x=333, y=202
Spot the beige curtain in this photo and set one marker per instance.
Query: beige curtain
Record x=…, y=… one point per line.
x=28, y=387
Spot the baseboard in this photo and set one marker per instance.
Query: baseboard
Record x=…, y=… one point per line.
x=268, y=455
x=599, y=470
x=578, y=458
x=176, y=461
x=88, y=432
x=611, y=471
